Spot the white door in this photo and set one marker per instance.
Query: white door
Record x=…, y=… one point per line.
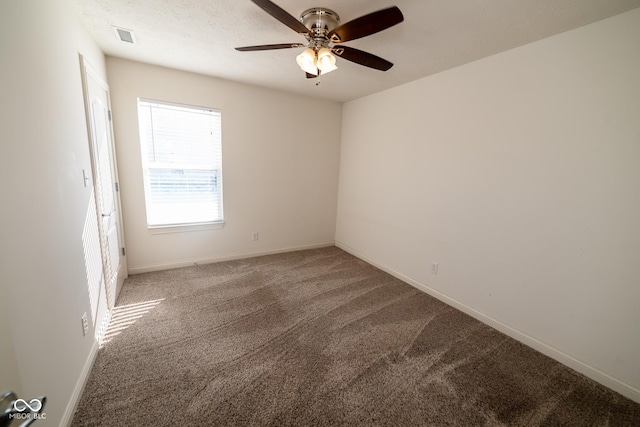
x=105, y=183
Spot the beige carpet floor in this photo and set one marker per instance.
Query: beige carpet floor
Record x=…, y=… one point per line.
x=320, y=338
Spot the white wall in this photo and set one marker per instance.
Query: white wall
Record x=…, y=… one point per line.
x=280, y=167
x=43, y=149
x=520, y=175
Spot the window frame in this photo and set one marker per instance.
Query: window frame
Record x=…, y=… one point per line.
x=145, y=169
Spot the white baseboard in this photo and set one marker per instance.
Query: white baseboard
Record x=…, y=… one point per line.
x=67, y=417
x=231, y=257
x=557, y=354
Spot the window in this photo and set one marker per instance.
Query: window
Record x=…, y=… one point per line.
x=182, y=164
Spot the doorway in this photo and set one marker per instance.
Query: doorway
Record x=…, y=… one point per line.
x=106, y=195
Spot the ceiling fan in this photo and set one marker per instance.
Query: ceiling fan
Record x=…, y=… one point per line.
x=321, y=27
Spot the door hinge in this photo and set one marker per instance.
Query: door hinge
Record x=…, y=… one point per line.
x=117, y=187
x=123, y=252
x=109, y=115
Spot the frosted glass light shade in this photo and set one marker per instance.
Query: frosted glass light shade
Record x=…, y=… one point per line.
x=326, y=61
x=307, y=61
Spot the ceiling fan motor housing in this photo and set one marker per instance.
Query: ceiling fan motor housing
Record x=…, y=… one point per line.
x=320, y=21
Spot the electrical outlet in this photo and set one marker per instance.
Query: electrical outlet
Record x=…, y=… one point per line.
x=85, y=324
x=434, y=268
x=255, y=236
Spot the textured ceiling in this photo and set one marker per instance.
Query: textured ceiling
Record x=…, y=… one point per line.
x=436, y=35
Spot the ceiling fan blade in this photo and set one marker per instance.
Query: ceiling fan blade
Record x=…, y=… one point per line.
x=361, y=57
x=282, y=15
x=269, y=47
x=366, y=25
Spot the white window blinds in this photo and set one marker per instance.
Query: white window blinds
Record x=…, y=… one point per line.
x=182, y=163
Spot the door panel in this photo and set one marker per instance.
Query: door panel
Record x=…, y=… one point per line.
x=104, y=186
x=104, y=175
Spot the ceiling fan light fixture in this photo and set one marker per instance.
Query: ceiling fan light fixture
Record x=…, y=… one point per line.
x=326, y=61
x=322, y=29
x=307, y=61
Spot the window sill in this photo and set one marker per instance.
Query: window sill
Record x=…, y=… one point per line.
x=182, y=228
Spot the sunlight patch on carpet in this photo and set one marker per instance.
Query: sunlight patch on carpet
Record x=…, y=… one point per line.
x=124, y=316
